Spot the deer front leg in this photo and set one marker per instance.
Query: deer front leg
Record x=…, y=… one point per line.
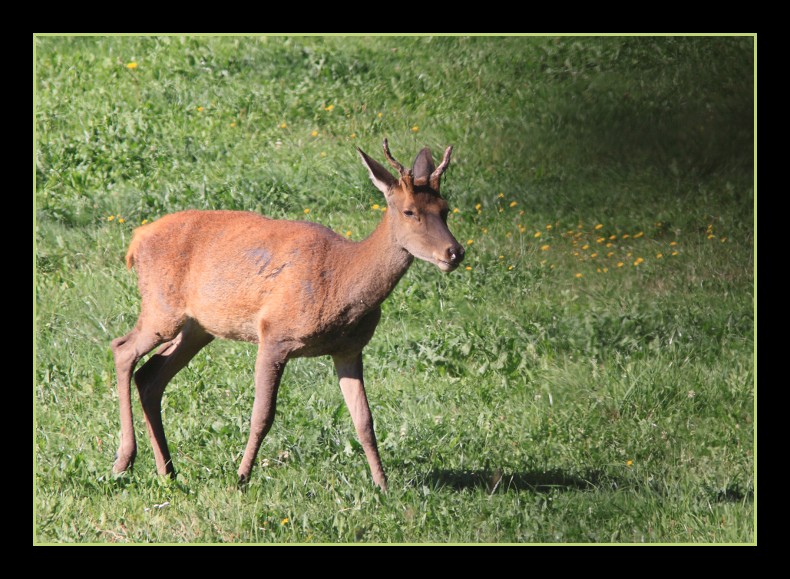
x=349, y=371
x=269, y=366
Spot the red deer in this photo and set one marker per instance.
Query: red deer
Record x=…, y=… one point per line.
x=294, y=288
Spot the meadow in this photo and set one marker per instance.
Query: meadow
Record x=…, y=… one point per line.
x=586, y=376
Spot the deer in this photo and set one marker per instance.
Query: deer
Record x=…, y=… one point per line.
x=294, y=288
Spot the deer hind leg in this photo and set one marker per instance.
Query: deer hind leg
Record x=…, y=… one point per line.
x=154, y=376
x=127, y=351
x=269, y=366
x=349, y=371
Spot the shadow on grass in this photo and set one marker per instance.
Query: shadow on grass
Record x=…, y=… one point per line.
x=495, y=480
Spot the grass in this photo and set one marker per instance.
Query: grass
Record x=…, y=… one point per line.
x=586, y=376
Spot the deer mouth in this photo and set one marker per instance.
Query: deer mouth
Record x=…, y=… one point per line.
x=446, y=266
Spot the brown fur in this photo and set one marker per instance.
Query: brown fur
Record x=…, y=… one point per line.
x=295, y=288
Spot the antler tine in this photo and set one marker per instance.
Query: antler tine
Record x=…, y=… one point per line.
x=401, y=170
x=441, y=168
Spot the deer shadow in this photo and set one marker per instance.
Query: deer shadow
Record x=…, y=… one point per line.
x=497, y=480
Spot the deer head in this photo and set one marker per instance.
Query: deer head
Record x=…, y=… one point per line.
x=417, y=213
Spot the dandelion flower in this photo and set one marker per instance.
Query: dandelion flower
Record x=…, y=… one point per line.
x=599, y=226
x=468, y=268
x=283, y=125
x=675, y=253
x=513, y=203
x=510, y=267
x=375, y=206
x=673, y=243
x=501, y=257
x=545, y=247
x=659, y=255
x=380, y=115
x=478, y=206
x=626, y=236
x=610, y=244
x=415, y=128
x=612, y=237
x=485, y=229
x=711, y=236
x=306, y=210
x=501, y=195
x=329, y=107
x=578, y=275
x=200, y=109
x=586, y=246
x=537, y=234
x=314, y=134
x=610, y=254
x=629, y=463
x=605, y=269
x=470, y=241
x=548, y=227
x=111, y=217
x=638, y=235
x=620, y=264
x=723, y=239
x=348, y=233
x=284, y=521
x=353, y=135
x=456, y=210
x=593, y=255
x=600, y=240
x=143, y=222
x=121, y=220
x=639, y=260
x=131, y=65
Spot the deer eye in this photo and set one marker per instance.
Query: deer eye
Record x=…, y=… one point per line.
x=408, y=213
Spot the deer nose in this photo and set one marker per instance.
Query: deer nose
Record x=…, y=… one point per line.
x=455, y=254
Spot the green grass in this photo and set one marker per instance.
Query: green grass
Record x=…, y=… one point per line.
x=541, y=393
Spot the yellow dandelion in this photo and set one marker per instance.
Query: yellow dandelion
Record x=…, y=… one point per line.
x=551, y=266
x=545, y=247
x=675, y=253
x=600, y=240
x=629, y=463
x=673, y=243
x=121, y=220
x=620, y=264
x=478, y=206
x=610, y=254
x=609, y=244
x=111, y=217
x=233, y=124
x=510, y=267
x=353, y=135
x=314, y=134
x=711, y=236
x=578, y=275
x=485, y=230
x=306, y=210
x=323, y=153
x=284, y=521
x=522, y=229
x=501, y=257
x=659, y=255
x=380, y=115
x=605, y=269
x=508, y=234
x=513, y=203
x=537, y=234
x=131, y=65
x=501, y=195
x=593, y=255
x=415, y=128
x=639, y=260
x=329, y=107
x=468, y=268
x=548, y=227
x=638, y=235
x=521, y=212
x=143, y=222
x=200, y=109
x=625, y=236
x=586, y=246
x=599, y=226
x=470, y=241
x=723, y=239
x=598, y=269
x=456, y=210
x=375, y=206
x=348, y=233
x=613, y=237
x=283, y=125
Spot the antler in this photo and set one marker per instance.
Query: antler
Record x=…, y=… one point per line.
x=434, y=181
x=401, y=169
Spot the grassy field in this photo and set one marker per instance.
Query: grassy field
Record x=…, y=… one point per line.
x=586, y=376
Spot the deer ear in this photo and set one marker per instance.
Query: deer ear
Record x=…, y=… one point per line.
x=423, y=167
x=380, y=176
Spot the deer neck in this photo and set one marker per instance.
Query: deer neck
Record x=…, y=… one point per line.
x=375, y=265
